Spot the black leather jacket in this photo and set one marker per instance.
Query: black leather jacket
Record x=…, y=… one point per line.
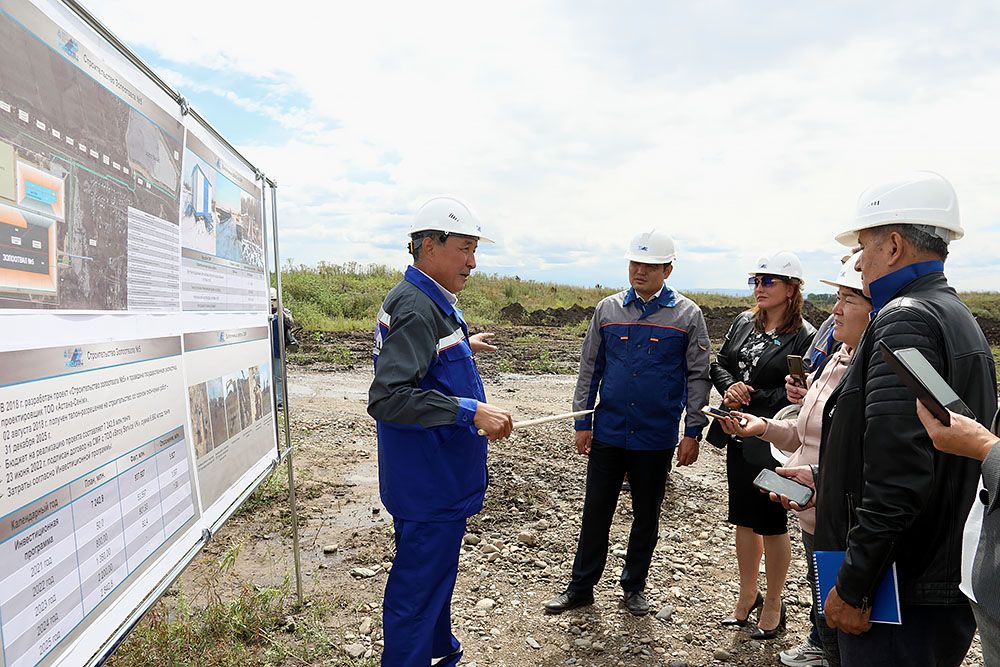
x=767, y=378
x=884, y=493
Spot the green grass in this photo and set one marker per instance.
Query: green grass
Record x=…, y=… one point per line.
x=346, y=297
x=983, y=304
x=241, y=629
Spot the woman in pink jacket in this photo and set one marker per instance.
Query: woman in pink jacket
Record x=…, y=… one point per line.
x=801, y=436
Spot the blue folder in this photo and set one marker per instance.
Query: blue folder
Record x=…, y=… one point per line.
x=885, y=602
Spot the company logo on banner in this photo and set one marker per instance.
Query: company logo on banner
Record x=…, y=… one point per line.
x=75, y=356
x=69, y=45
x=230, y=336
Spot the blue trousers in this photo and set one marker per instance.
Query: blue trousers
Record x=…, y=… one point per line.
x=416, y=612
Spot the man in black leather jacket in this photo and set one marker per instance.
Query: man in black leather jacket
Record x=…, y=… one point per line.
x=884, y=493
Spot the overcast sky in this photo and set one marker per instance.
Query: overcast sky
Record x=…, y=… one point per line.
x=740, y=128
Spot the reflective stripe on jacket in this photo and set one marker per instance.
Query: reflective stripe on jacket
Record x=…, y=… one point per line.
x=645, y=364
x=431, y=462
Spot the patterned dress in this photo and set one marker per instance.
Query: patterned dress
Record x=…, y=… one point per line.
x=752, y=351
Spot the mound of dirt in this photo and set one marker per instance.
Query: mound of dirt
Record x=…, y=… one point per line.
x=549, y=317
x=718, y=319
x=991, y=329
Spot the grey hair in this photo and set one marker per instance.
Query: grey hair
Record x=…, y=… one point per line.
x=417, y=239
x=919, y=237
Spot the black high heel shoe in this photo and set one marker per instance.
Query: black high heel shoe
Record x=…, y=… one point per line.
x=761, y=635
x=742, y=622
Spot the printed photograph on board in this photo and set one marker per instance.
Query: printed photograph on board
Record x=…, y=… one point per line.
x=201, y=422
x=217, y=408
x=233, y=419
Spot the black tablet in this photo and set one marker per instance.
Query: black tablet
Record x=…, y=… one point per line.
x=928, y=385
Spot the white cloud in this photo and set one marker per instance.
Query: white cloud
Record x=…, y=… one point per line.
x=569, y=126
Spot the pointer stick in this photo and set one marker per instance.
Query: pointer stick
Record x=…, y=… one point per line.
x=544, y=420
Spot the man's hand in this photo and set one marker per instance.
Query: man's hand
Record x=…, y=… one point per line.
x=965, y=437
x=687, y=451
x=801, y=474
x=796, y=394
x=737, y=394
x=583, y=442
x=497, y=422
x=844, y=617
x=478, y=342
x=755, y=426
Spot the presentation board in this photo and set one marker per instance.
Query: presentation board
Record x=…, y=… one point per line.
x=136, y=402
x=97, y=478
x=222, y=232
x=89, y=177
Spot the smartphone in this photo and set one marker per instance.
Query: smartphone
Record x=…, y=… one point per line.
x=715, y=413
x=768, y=480
x=925, y=382
x=797, y=369
x=719, y=413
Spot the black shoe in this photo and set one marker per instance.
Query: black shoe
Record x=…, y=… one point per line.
x=569, y=600
x=761, y=635
x=742, y=622
x=636, y=603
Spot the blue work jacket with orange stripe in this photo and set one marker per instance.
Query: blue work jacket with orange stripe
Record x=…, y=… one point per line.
x=641, y=366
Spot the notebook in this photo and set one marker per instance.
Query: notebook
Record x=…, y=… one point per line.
x=885, y=603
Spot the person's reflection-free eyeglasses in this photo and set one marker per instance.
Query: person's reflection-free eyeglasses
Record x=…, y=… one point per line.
x=765, y=280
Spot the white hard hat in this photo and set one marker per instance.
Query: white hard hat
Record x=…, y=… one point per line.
x=781, y=263
x=274, y=293
x=651, y=247
x=848, y=276
x=449, y=215
x=922, y=198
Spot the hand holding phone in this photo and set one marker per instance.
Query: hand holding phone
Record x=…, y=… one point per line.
x=772, y=482
x=720, y=413
x=796, y=370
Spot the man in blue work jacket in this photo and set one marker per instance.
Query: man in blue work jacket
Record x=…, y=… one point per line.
x=646, y=358
x=429, y=404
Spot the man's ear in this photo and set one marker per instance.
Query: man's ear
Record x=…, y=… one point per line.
x=896, y=248
x=668, y=271
x=426, y=246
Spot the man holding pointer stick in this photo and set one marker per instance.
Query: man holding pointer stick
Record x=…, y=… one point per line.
x=646, y=355
x=428, y=402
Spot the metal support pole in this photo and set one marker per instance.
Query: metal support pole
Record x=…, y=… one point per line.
x=267, y=271
x=284, y=391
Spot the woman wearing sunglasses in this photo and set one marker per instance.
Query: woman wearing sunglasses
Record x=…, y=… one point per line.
x=749, y=372
x=801, y=436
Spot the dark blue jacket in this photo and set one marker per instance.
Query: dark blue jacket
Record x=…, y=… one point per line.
x=431, y=462
x=646, y=365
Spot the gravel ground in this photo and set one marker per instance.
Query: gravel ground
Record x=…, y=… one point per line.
x=519, y=550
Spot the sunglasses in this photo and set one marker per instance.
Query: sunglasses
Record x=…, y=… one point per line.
x=765, y=280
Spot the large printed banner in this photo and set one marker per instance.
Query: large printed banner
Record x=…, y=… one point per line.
x=97, y=478
x=222, y=233
x=229, y=394
x=135, y=365
x=89, y=177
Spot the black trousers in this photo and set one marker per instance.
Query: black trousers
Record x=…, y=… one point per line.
x=647, y=476
x=928, y=637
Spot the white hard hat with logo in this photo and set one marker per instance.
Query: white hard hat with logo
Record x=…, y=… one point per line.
x=781, y=263
x=922, y=198
x=651, y=247
x=274, y=293
x=848, y=276
x=448, y=215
